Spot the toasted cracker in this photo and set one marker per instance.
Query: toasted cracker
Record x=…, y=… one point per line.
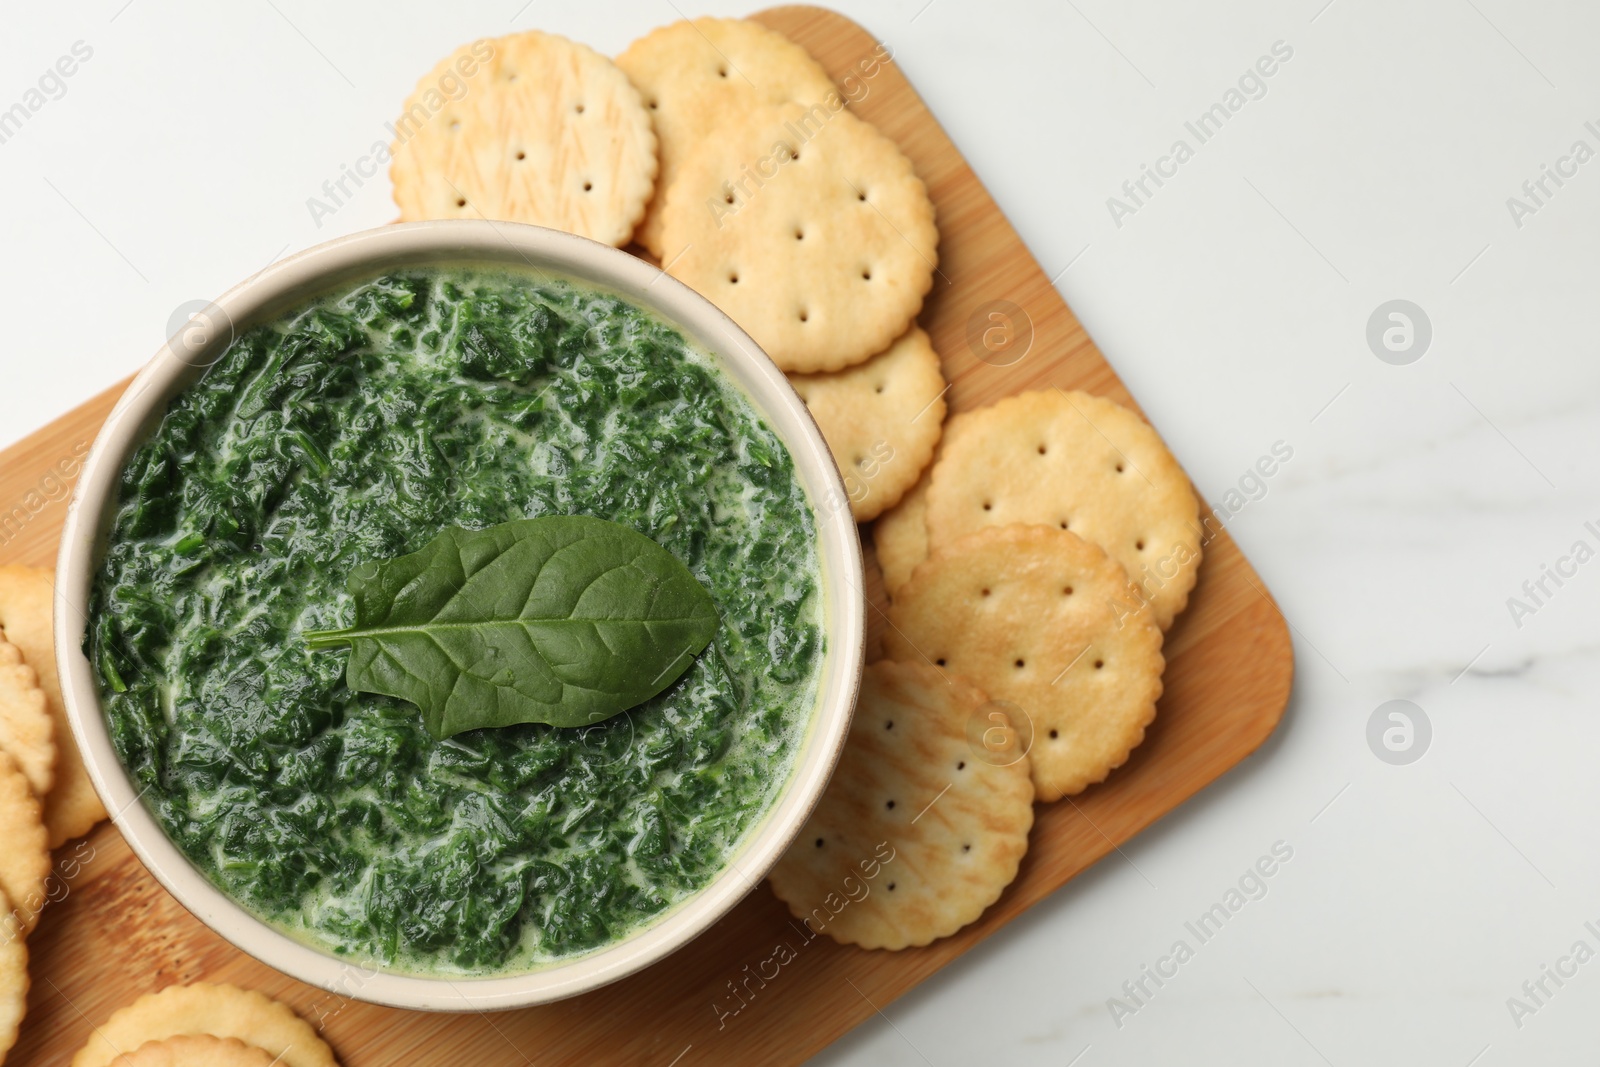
x=26, y=595
x=696, y=76
x=195, y=1050
x=13, y=976
x=1046, y=620
x=26, y=729
x=810, y=229
x=24, y=855
x=1080, y=463
x=218, y=1010
x=545, y=131
x=881, y=420
x=916, y=835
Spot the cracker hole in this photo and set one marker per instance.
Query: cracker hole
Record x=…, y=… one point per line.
x=961, y=765
x=1041, y=450
x=861, y=195
x=1066, y=590
x=966, y=848
x=988, y=506
x=1053, y=735
x=940, y=662
x=889, y=725
x=1119, y=468
x=1063, y=524
x=654, y=104
x=455, y=124
x=804, y=315
x=587, y=186
x=522, y=155
x=866, y=275
x=799, y=235
x=1020, y=664
x=733, y=279
x=890, y=805
x=727, y=198
x=819, y=842
x=1099, y=663
x=1139, y=545
x=878, y=388
x=796, y=156
x=579, y=109
x=891, y=887
x=986, y=592
x=722, y=72
x=460, y=202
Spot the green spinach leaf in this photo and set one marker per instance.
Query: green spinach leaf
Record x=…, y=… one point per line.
x=563, y=620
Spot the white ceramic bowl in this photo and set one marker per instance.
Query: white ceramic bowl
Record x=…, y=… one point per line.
x=293, y=282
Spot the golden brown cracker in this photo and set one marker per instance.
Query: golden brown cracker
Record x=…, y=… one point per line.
x=196, y=1050
x=218, y=1010
x=1080, y=463
x=900, y=534
x=900, y=537
x=919, y=830
x=810, y=229
x=24, y=856
x=26, y=729
x=13, y=976
x=696, y=75
x=26, y=610
x=529, y=128
x=1041, y=618
x=881, y=420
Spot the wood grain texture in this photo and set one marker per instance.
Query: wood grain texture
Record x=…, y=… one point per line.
x=118, y=934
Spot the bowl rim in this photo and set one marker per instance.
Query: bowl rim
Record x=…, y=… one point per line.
x=518, y=247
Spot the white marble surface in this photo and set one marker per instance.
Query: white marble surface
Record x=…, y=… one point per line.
x=1234, y=303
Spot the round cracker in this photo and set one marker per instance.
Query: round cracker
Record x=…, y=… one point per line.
x=543, y=130
x=1080, y=463
x=900, y=534
x=218, y=1010
x=881, y=420
x=1043, y=619
x=900, y=537
x=196, y=1050
x=14, y=980
x=695, y=76
x=810, y=229
x=916, y=834
x=25, y=855
x=26, y=729
x=26, y=599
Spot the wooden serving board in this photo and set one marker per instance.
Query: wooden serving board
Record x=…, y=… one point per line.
x=118, y=934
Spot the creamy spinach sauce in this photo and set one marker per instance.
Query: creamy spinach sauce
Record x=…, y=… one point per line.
x=354, y=430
